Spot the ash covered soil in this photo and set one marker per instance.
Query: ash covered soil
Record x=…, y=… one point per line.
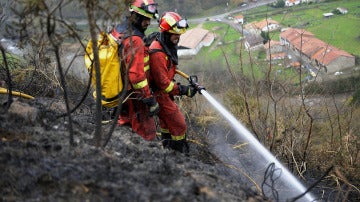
x=37, y=162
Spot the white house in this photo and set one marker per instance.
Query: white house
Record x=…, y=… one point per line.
x=193, y=40
x=328, y=15
x=342, y=10
x=290, y=3
x=239, y=19
x=267, y=25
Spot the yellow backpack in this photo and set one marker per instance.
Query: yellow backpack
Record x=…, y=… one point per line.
x=110, y=69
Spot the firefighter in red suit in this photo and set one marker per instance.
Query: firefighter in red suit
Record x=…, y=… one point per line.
x=163, y=63
x=142, y=105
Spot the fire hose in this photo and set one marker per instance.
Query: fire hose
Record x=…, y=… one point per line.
x=192, y=79
x=15, y=93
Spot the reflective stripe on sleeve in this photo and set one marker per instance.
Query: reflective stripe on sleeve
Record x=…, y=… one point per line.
x=146, y=68
x=170, y=87
x=140, y=85
x=146, y=63
x=146, y=59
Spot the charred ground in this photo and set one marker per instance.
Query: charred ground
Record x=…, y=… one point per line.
x=38, y=163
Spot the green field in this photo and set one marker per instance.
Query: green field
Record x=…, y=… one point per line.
x=341, y=31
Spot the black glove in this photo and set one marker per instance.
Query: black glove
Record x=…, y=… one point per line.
x=152, y=104
x=189, y=90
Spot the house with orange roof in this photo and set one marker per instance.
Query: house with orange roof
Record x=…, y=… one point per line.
x=333, y=59
x=239, y=19
x=250, y=27
x=267, y=25
x=290, y=3
x=273, y=46
x=253, y=42
x=274, y=50
x=193, y=40
x=290, y=34
x=276, y=56
x=316, y=52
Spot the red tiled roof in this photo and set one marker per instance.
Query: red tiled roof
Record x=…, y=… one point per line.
x=264, y=23
x=209, y=38
x=328, y=54
x=295, y=33
x=293, y=1
x=314, y=48
x=275, y=56
x=307, y=45
x=239, y=17
x=295, y=64
x=272, y=43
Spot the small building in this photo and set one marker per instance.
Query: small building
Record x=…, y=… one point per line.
x=290, y=3
x=239, y=19
x=328, y=15
x=332, y=59
x=274, y=50
x=267, y=25
x=276, y=56
x=193, y=40
x=250, y=28
x=295, y=64
x=342, y=10
x=253, y=42
x=316, y=52
x=273, y=46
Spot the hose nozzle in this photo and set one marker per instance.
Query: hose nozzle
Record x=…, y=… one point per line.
x=193, y=81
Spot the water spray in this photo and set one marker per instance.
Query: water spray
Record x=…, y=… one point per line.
x=253, y=142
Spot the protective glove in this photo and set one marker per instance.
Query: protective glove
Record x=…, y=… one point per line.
x=152, y=104
x=189, y=90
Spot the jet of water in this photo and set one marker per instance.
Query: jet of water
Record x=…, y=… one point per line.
x=257, y=146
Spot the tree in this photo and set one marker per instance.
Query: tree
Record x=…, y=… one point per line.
x=279, y=4
x=46, y=28
x=265, y=35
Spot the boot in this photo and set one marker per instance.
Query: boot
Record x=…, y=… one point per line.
x=180, y=145
x=106, y=115
x=166, y=139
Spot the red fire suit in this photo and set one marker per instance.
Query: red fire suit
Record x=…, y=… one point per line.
x=137, y=61
x=162, y=74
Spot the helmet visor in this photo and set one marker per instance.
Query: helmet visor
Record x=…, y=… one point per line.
x=151, y=8
x=182, y=24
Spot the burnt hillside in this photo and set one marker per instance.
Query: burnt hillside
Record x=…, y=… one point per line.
x=37, y=162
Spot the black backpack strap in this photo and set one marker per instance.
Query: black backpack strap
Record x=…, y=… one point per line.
x=155, y=51
x=160, y=50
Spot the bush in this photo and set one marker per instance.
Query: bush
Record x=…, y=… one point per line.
x=279, y=4
x=356, y=97
x=357, y=58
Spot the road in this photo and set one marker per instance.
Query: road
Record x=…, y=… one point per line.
x=223, y=16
